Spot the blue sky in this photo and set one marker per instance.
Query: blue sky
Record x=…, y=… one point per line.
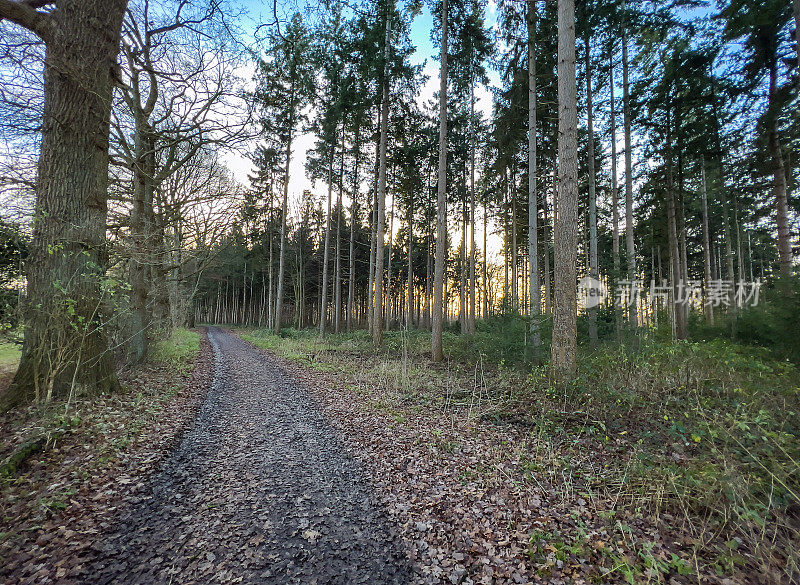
x=260, y=11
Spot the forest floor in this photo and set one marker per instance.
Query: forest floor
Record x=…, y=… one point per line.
x=96, y=456
x=493, y=476
x=309, y=461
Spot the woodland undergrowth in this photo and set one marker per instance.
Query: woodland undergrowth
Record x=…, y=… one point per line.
x=698, y=439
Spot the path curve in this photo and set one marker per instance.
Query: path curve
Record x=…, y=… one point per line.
x=260, y=490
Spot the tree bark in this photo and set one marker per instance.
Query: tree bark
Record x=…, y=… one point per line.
x=535, y=293
x=389, y=267
x=514, y=247
x=284, y=212
x=65, y=346
x=779, y=181
x=377, y=320
x=708, y=307
x=674, y=248
x=141, y=235
x=614, y=197
x=410, y=276
x=565, y=333
x=629, y=242
x=472, y=271
x=351, y=283
x=323, y=307
x=441, y=207
x=593, y=260
x=337, y=287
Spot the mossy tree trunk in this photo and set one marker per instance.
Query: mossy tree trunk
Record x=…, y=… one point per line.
x=65, y=346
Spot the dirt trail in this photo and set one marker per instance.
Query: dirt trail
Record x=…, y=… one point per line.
x=259, y=491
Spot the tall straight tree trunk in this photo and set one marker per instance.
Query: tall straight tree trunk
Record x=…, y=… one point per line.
x=626, y=108
x=428, y=281
x=593, y=261
x=674, y=248
x=377, y=320
x=729, y=264
x=323, y=307
x=565, y=332
x=441, y=207
x=472, y=271
x=65, y=346
x=614, y=195
x=514, y=247
x=506, y=236
x=270, y=299
x=284, y=213
x=547, y=238
x=410, y=276
x=485, y=262
x=462, y=260
x=337, y=287
x=351, y=283
x=740, y=265
x=535, y=294
x=779, y=181
x=389, y=267
x=373, y=242
x=707, y=306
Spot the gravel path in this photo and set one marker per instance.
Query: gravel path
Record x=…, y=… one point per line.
x=259, y=491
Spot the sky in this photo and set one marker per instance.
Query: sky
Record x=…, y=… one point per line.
x=259, y=11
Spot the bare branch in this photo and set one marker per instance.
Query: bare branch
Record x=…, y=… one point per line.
x=25, y=15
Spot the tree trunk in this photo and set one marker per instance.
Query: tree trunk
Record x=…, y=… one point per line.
x=462, y=261
x=708, y=307
x=593, y=261
x=141, y=236
x=674, y=248
x=441, y=207
x=284, y=212
x=514, y=247
x=614, y=196
x=65, y=346
x=629, y=243
x=535, y=294
x=410, y=276
x=485, y=263
x=373, y=222
x=565, y=333
x=323, y=307
x=472, y=272
x=389, y=267
x=779, y=182
x=377, y=320
x=337, y=287
x=351, y=283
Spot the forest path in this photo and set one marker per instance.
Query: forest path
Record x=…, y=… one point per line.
x=260, y=490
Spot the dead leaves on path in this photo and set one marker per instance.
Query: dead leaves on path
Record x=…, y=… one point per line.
x=66, y=496
x=474, y=509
